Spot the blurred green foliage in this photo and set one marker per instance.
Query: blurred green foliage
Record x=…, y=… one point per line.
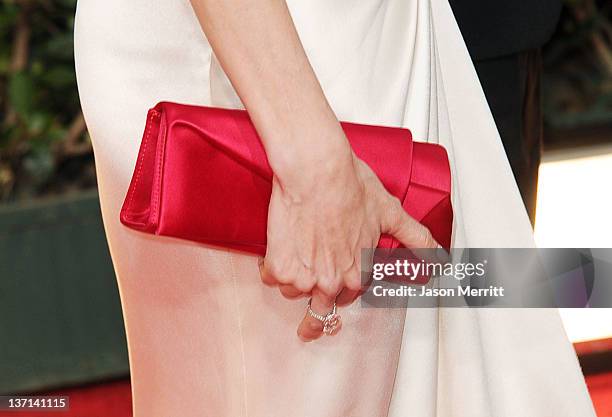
x=44, y=147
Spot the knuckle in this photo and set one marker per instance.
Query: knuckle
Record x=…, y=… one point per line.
x=394, y=203
x=279, y=271
x=352, y=277
x=429, y=240
x=264, y=272
x=284, y=279
x=353, y=281
x=305, y=284
x=425, y=238
x=394, y=212
x=330, y=286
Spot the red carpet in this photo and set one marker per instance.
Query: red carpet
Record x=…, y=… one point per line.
x=114, y=400
x=600, y=387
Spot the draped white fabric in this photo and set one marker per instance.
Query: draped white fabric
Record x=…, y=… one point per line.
x=206, y=338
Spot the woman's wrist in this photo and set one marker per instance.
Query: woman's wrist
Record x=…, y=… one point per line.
x=301, y=167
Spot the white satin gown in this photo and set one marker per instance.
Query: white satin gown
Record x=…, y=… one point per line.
x=206, y=338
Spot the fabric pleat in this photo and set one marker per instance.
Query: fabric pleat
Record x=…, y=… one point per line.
x=206, y=338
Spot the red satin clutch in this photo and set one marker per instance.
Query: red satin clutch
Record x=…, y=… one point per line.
x=202, y=175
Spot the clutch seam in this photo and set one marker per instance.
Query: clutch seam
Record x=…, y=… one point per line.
x=141, y=156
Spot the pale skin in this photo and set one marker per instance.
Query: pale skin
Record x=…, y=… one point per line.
x=326, y=204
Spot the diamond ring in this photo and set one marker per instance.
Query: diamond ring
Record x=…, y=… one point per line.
x=331, y=321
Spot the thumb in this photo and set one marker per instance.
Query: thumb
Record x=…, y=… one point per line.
x=411, y=233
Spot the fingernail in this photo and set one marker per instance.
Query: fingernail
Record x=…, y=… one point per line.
x=442, y=255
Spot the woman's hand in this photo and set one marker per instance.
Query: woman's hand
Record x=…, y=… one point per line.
x=318, y=222
x=326, y=204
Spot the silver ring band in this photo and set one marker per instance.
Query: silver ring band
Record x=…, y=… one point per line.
x=331, y=321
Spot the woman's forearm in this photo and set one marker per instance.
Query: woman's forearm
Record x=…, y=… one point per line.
x=325, y=205
x=259, y=49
